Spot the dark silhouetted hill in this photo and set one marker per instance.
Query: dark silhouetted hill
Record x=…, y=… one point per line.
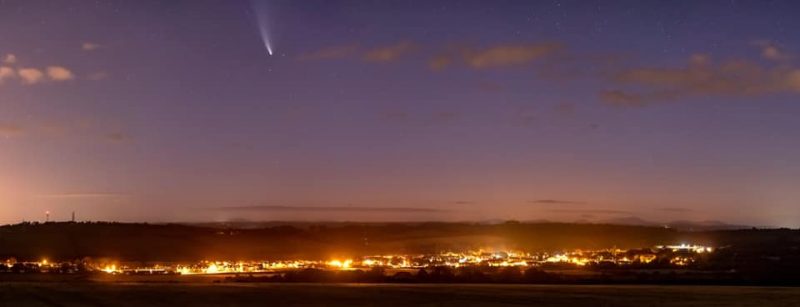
x=173, y=242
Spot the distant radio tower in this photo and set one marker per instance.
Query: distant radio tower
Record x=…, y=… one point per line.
x=73, y=216
x=46, y=216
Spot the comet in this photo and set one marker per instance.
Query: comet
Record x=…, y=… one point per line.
x=263, y=26
x=269, y=48
x=263, y=30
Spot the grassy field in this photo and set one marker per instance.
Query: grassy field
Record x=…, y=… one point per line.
x=228, y=294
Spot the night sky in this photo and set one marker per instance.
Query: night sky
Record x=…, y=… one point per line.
x=400, y=110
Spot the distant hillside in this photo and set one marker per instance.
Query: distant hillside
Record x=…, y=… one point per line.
x=679, y=225
x=171, y=242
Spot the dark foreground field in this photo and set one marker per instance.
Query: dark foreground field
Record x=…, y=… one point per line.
x=204, y=294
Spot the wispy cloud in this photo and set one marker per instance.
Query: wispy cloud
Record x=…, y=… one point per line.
x=85, y=129
x=590, y=211
x=675, y=209
x=497, y=56
x=379, y=54
x=9, y=130
x=440, y=62
x=89, y=46
x=389, y=53
x=83, y=195
x=556, y=202
x=59, y=73
x=10, y=59
x=624, y=99
x=118, y=137
x=95, y=76
x=6, y=73
x=463, y=202
x=332, y=209
x=61, y=128
x=509, y=55
x=701, y=77
x=30, y=76
x=771, y=51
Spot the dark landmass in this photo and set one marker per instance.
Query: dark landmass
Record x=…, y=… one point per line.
x=678, y=225
x=742, y=257
x=203, y=294
x=177, y=242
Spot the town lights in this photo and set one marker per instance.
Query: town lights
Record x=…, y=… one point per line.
x=212, y=269
x=340, y=264
x=110, y=269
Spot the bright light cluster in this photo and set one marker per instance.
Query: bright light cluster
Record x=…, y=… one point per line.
x=675, y=255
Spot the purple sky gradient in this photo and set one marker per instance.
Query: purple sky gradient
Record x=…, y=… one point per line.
x=432, y=110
